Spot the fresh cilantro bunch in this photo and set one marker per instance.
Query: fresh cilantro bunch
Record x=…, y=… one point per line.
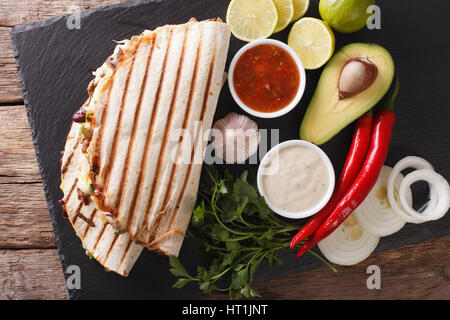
x=233, y=224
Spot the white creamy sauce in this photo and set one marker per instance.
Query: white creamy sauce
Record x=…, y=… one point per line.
x=295, y=178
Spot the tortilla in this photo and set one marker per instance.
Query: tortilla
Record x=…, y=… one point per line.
x=114, y=250
x=140, y=153
x=164, y=81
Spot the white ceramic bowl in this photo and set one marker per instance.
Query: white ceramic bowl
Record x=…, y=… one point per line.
x=301, y=71
x=321, y=203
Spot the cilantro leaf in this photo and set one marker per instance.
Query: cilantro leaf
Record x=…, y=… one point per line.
x=181, y=283
x=199, y=213
x=219, y=233
x=177, y=268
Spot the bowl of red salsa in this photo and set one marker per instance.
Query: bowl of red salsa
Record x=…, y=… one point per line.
x=266, y=78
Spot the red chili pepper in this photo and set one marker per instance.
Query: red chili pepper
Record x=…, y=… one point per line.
x=353, y=163
x=366, y=179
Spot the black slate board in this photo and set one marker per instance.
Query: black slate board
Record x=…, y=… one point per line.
x=55, y=66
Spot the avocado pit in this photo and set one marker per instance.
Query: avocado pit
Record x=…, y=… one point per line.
x=357, y=75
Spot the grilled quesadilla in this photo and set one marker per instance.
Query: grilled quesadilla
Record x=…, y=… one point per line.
x=114, y=250
x=141, y=141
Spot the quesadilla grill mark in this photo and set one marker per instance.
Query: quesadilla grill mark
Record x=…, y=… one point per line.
x=89, y=222
x=185, y=122
x=69, y=159
x=91, y=218
x=125, y=252
x=110, y=249
x=107, y=174
x=141, y=98
x=104, y=171
x=149, y=140
x=77, y=212
x=167, y=128
x=71, y=190
x=198, y=134
x=98, y=142
x=100, y=236
x=134, y=129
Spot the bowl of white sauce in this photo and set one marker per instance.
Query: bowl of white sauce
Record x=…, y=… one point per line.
x=296, y=178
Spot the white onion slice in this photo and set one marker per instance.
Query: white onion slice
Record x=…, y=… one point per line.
x=375, y=213
x=349, y=244
x=408, y=162
x=437, y=184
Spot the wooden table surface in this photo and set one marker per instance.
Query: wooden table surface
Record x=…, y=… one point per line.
x=29, y=262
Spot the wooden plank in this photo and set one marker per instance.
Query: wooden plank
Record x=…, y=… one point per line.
x=24, y=217
x=10, y=91
x=31, y=274
x=419, y=271
x=18, y=12
x=17, y=157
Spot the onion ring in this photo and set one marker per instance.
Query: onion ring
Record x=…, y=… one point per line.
x=441, y=187
x=375, y=214
x=408, y=162
x=349, y=244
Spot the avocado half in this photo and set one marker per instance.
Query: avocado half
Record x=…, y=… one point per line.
x=326, y=114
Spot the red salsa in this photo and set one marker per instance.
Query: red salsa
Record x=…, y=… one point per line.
x=266, y=78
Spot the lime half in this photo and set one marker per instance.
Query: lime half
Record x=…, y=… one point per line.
x=300, y=8
x=252, y=19
x=285, y=13
x=313, y=40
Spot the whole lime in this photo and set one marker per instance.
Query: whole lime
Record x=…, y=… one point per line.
x=345, y=16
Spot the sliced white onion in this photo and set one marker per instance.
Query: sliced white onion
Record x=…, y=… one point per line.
x=375, y=213
x=408, y=162
x=349, y=244
x=437, y=184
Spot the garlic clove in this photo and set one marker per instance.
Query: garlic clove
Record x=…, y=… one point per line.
x=235, y=138
x=357, y=75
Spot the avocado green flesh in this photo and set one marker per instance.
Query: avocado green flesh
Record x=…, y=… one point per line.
x=326, y=114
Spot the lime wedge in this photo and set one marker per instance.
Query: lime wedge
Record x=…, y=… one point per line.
x=300, y=8
x=313, y=40
x=285, y=13
x=252, y=19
